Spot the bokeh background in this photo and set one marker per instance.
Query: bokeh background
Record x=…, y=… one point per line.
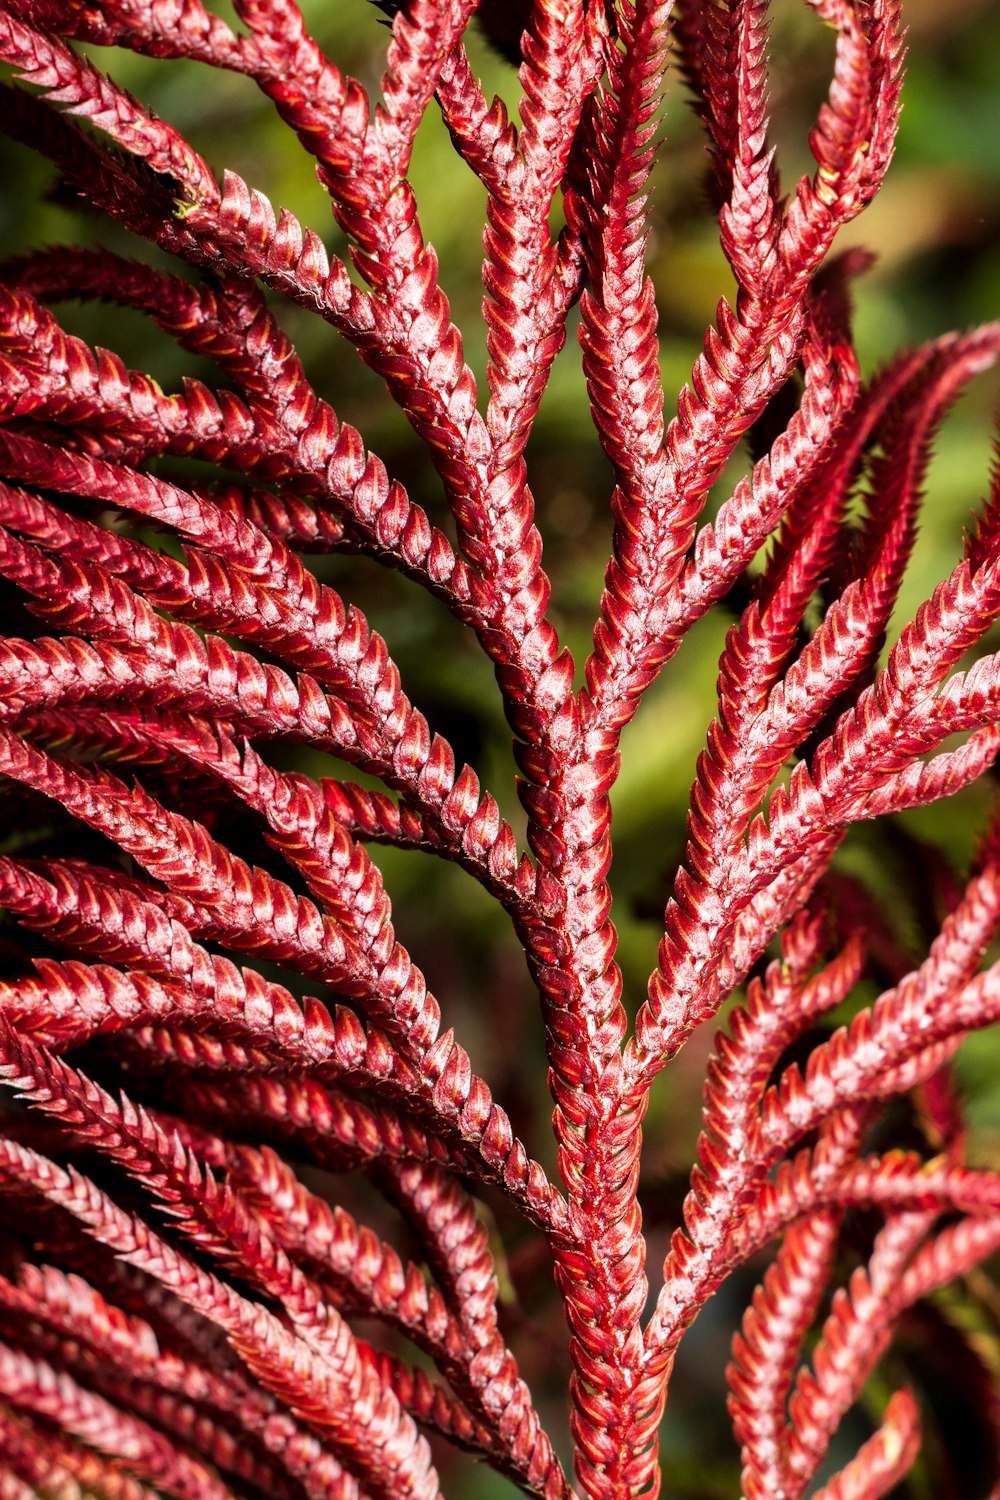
x=935, y=230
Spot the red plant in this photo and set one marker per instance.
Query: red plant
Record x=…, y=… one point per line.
x=185, y=1306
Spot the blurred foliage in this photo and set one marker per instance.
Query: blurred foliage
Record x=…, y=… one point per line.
x=934, y=229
